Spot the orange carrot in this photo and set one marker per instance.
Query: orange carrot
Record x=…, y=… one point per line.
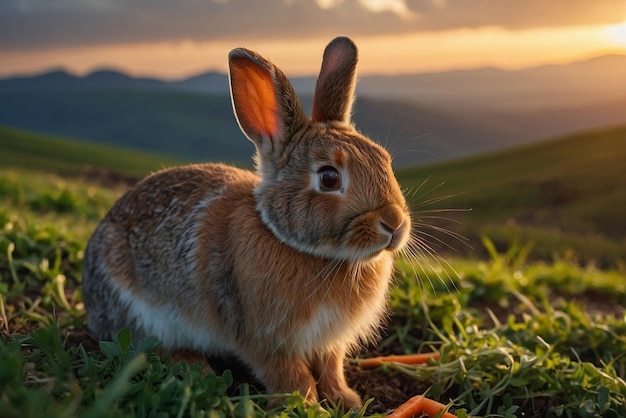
x=432, y=408
x=420, y=358
x=419, y=406
x=409, y=409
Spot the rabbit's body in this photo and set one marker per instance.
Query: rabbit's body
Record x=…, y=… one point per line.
x=288, y=270
x=203, y=308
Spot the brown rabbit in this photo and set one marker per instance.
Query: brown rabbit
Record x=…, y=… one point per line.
x=288, y=268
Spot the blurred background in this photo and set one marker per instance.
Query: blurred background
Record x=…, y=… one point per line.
x=515, y=110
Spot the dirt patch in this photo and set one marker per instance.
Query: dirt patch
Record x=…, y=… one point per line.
x=389, y=389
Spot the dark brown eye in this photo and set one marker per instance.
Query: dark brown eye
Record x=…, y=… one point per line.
x=329, y=178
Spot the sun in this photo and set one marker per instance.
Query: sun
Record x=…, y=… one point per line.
x=617, y=33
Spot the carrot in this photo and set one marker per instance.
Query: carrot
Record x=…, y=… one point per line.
x=432, y=408
x=418, y=406
x=409, y=409
x=420, y=358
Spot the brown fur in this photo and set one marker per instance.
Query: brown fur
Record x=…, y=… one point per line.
x=288, y=278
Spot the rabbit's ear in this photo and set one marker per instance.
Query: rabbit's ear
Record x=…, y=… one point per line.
x=334, y=90
x=265, y=104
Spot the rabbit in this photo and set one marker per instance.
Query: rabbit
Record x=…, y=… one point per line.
x=287, y=268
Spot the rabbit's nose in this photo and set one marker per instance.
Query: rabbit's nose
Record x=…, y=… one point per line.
x=387, y=227
x=392, y=217
x=394, y=223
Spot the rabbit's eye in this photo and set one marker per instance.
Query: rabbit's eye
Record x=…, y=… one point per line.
x=330, y=179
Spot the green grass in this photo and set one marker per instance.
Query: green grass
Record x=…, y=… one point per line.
x=563, y=194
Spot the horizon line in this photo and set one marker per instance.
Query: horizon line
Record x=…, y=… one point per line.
x=116, y=69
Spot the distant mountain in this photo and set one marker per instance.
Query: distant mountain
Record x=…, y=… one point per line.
x=211, y=82
x=420, y=117
x=60, y=80
x=596, y=80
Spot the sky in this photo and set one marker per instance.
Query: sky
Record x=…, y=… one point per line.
x=175, y=39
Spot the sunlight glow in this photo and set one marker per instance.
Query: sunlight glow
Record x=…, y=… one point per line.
x=398, y=7
x=326, y=4
x=617, y=33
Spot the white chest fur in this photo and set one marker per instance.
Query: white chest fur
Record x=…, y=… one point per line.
x=333, y=325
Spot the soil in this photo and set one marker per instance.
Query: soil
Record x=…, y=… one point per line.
x=389, y=389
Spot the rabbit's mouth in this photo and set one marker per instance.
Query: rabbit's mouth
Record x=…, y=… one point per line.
x=373, y=233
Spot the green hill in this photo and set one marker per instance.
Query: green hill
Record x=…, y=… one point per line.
x=185, y=125
x=24, y=149
x=563, y=194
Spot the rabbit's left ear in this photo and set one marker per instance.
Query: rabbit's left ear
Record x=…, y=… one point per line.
x=334, y=90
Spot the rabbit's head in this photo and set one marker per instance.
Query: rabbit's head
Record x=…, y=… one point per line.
x=325, y=189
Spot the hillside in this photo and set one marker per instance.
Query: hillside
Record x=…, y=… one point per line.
x=31, y=151
x=567, y=193
x=185, y=125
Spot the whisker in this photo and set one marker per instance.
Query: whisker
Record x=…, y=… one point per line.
x=422, y=184
x=426, y=254
x=444, y=231
x=328, y=270
x=437, y=218
x=434, y=200
x=441, y=210
x=426, y=236
x=436, y=239
x=422, y=258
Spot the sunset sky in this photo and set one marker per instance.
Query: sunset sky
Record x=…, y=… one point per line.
x=174, y=39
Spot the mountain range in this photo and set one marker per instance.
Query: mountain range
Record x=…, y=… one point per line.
x=419, y=117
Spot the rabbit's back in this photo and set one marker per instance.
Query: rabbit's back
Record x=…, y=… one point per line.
x=139, y=267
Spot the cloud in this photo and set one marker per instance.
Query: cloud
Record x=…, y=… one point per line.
x=32, y=24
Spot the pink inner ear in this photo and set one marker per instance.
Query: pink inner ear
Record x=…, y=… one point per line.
x=255, y=100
